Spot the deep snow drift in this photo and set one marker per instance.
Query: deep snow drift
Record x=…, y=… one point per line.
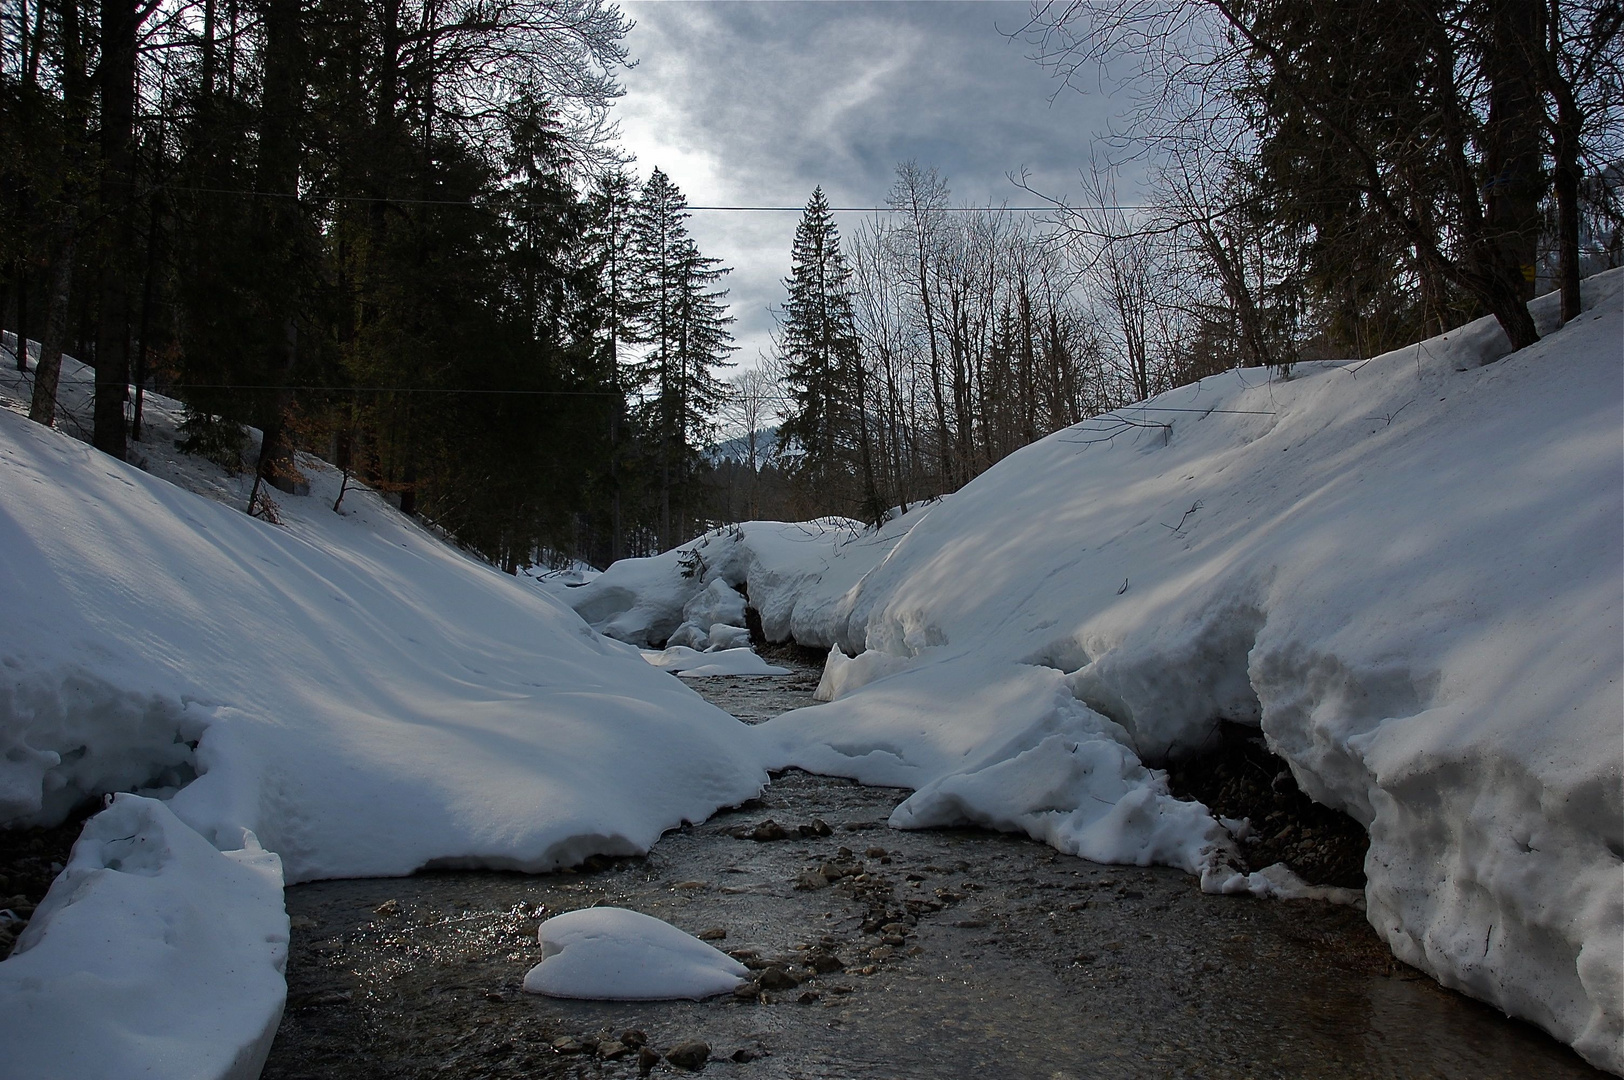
x=612, y=954
x=153, y=955
x=1409, y=571
x=344, y=689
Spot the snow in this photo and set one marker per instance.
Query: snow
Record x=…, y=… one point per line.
x=797, y=575
x=1406, y=570
x=344, y=689
x=693, y=664
x=153, y=954
x=363, y=698
x=612, y=954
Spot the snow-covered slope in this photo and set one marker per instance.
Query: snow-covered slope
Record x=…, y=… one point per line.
x=365, y=699
x=1408, y=571
x=343, y=689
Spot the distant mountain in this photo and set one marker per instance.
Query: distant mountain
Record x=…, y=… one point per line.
x=738, y=448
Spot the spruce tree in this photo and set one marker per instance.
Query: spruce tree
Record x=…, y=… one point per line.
x=678, y=314
x=820, y=356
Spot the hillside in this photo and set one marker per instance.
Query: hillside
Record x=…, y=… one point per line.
x=342, y=693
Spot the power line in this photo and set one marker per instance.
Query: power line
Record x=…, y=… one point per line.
x=381, y=390
x=702, y=207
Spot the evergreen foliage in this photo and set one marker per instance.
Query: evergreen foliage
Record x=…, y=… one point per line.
x=820, y=357
x=678, y=317
x=394, y=235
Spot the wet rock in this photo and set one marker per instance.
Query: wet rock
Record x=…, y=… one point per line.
x=747, y=991
x=824, y=961
x=569, y=1044
x=647, y=1058
x=809, y=880
x=690, y=1055
x=895, y=940
x=387, y=908
x=808, y=997
x=766, y=832
x=714, y=933
x=777, y=978
x=743, y=1055
x=817, y=827
x=634, y=1038
x=613, y=1050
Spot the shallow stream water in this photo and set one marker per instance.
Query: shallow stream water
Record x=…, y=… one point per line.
x=961, y=953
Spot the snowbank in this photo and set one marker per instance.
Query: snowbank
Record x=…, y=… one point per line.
x=1406, y=570
x=612, y=954
x=363, y=698
x=152, y=955
x=799, y=577
x=344, y=689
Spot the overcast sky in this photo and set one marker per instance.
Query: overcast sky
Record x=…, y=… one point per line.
x=751, y=102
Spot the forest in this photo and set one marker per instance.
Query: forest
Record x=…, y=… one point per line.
x=402, y=236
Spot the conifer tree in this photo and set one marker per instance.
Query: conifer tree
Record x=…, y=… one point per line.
x=678, y=314
x=820, y=355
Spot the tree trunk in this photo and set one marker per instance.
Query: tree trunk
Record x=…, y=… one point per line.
x=278, y=226
x=117, y=71
x=42, y=409
x=1513, y=154
x=22, y=319
x=1565, y=136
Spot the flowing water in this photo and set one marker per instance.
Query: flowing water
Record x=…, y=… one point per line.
x=930, y=955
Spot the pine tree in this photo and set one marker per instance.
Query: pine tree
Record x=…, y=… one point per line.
x=675, y=311
x=820, y=354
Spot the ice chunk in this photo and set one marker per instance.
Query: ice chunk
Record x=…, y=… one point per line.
x=612, y=954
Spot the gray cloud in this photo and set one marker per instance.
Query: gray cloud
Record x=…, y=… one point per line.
x=752, y=103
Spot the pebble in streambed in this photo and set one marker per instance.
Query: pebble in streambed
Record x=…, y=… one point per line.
x=874, y=952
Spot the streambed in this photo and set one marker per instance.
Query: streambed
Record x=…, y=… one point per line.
x=954, y=953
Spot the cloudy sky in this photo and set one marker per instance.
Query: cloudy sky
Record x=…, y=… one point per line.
x=751, y=102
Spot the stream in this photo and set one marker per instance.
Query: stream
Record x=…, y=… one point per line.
x=957, y=953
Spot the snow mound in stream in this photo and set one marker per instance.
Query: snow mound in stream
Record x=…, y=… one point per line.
x=612, y=954
x=1409, y=571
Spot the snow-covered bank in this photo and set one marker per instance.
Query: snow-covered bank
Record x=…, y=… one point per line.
x=1407, y=571
x=153, y=955
x=363, y=698
x=347, y=689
